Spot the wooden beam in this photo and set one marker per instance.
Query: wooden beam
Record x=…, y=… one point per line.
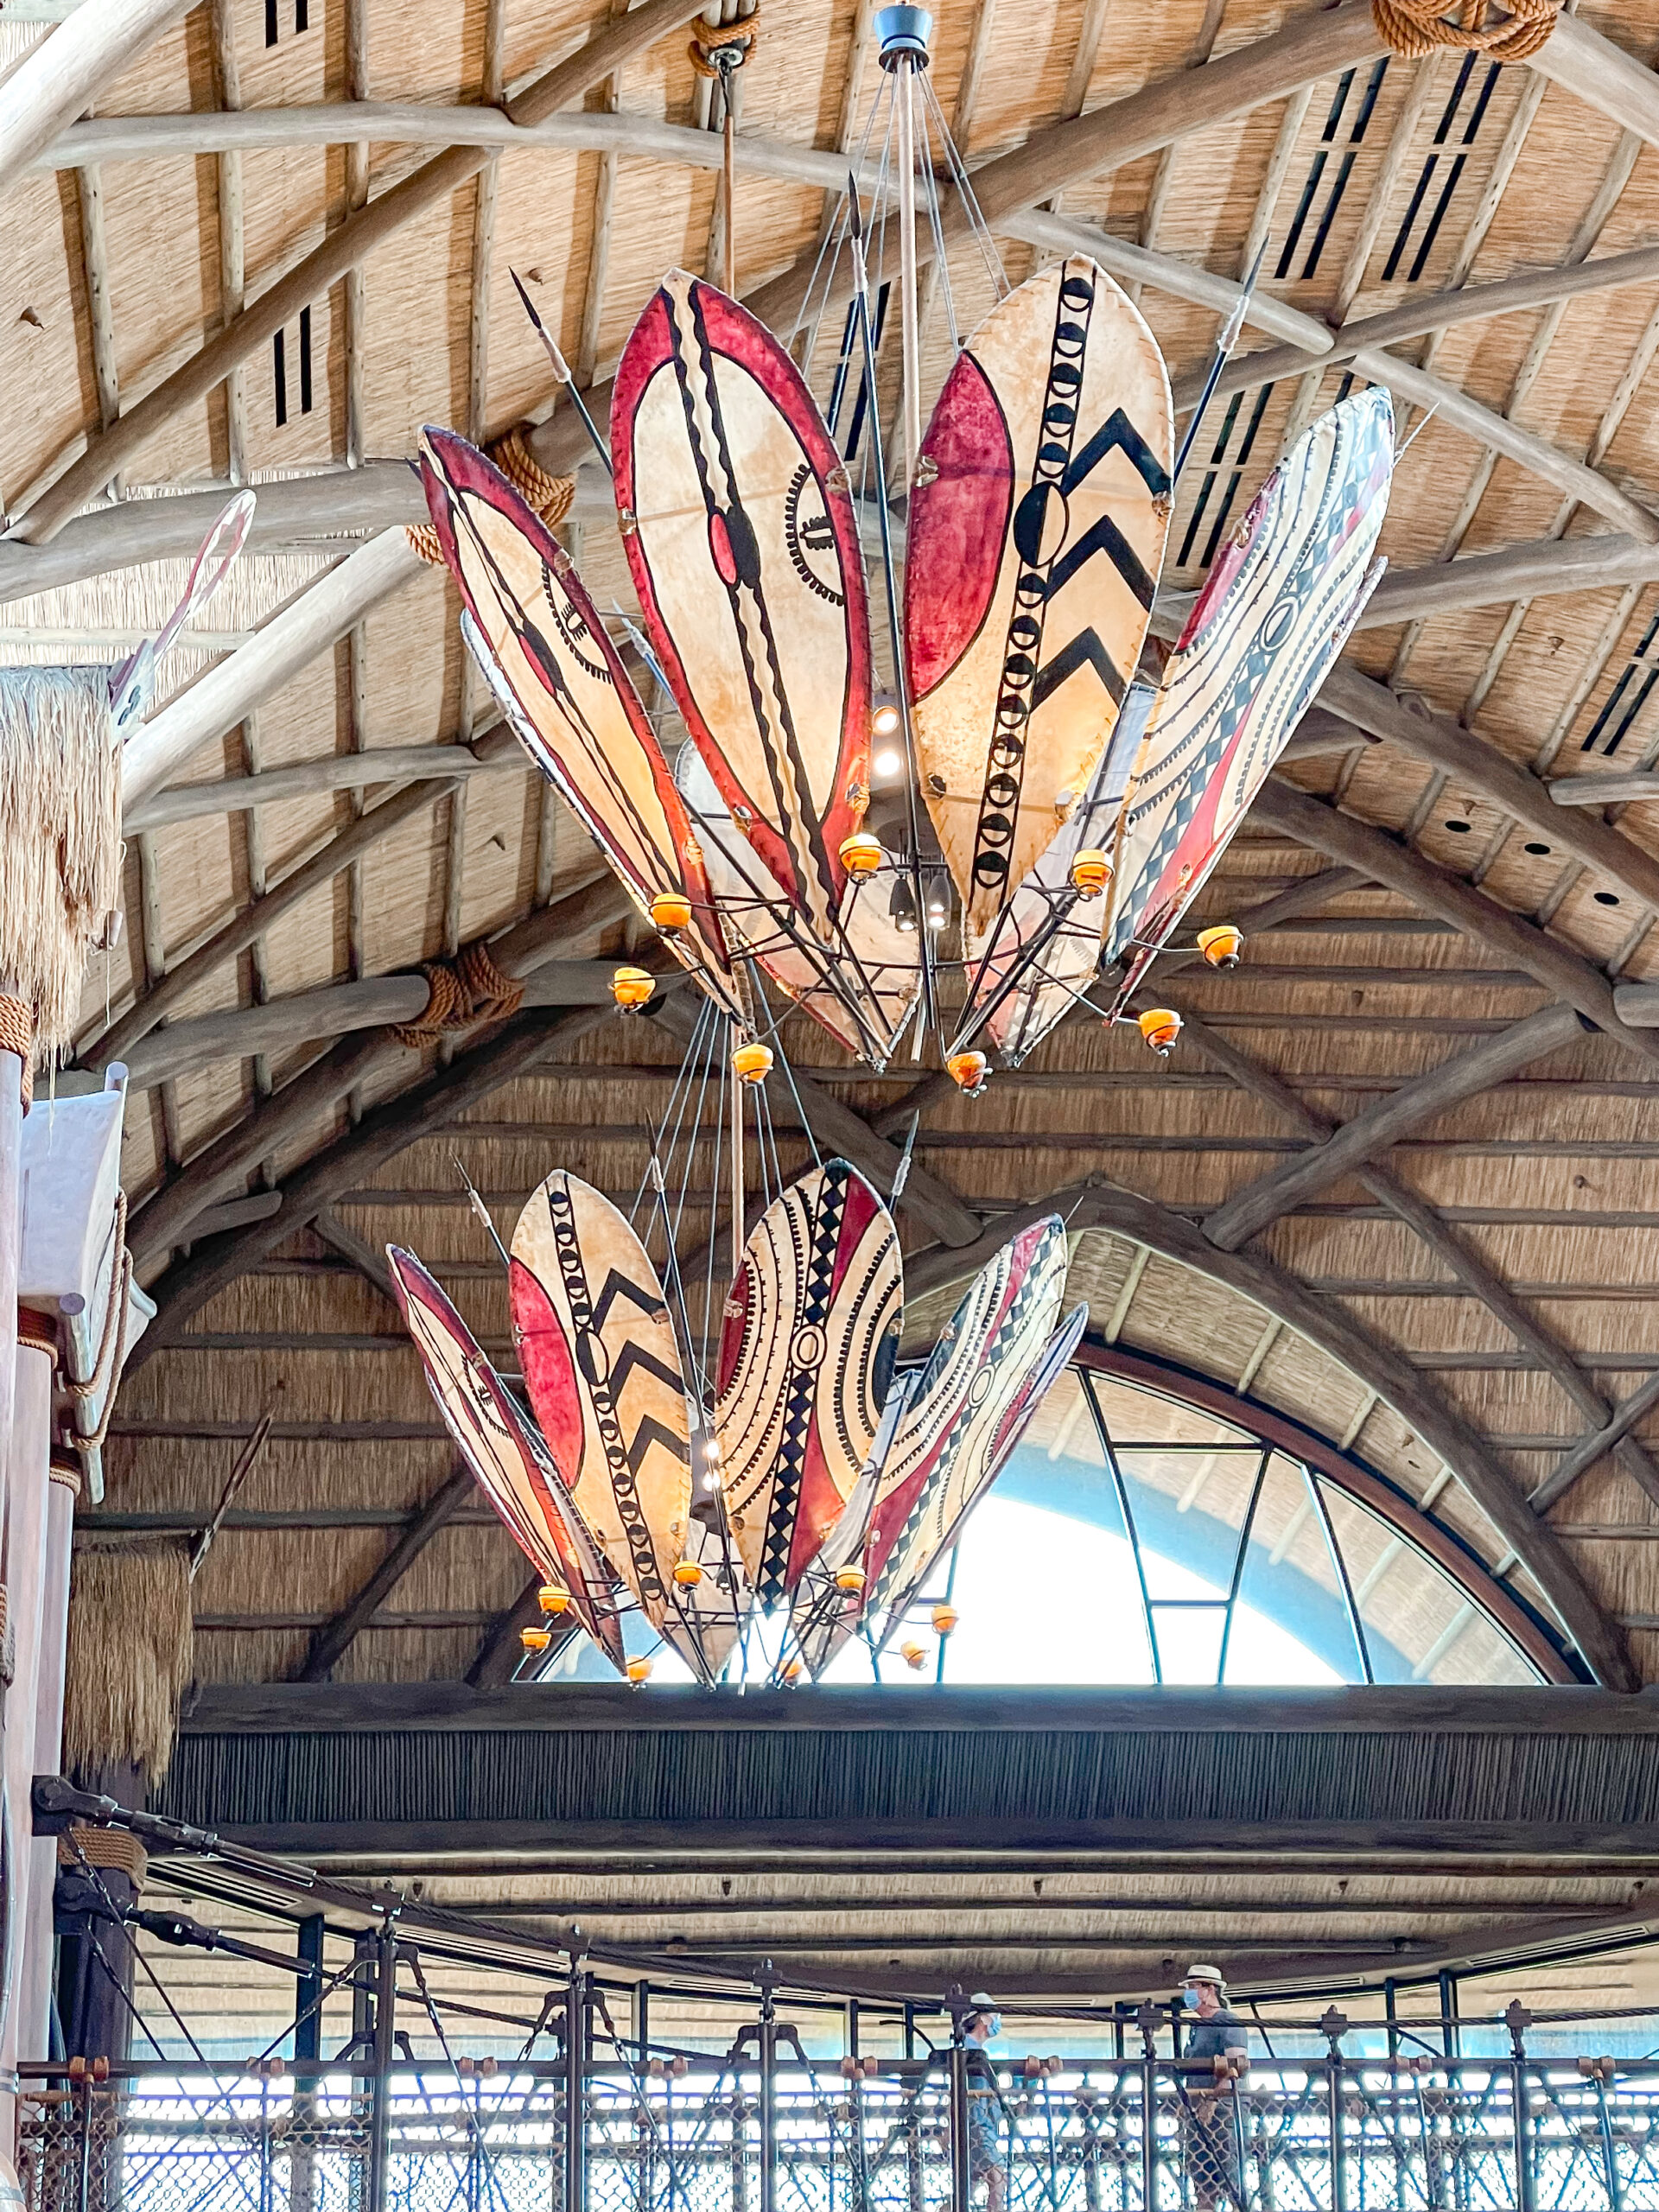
x=500, y=1652
x=335, y=853
x=1585, y=1454
x=218, y=701
x=1446, y=744
x=1095, y=1203
x=216, y=1171
x=1358, y=1142
x=1593, y=69
x=1343, y=837
x=337, y=772
x=1631, y=789
x=277, y=1025
x=343, y=249
x=62, y=77
x=335, y=1638
x=383, y=1132
x=1471, y=1271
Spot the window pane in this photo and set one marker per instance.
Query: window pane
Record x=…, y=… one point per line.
x=1291, y=1623
x=1418, y=1626
x=1189, y=1641
x=1189, y=1511
x=1045, y=1587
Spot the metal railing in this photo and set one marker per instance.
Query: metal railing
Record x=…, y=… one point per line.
x=765, y=2130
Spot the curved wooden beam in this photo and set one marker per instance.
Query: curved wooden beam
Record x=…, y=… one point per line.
x=228, y=692
x=110, y=450
x=1258, y=1204
x=1463, y=1261
x=1564, y=972
x=1441, y=742
x=61, y=78
x=1095, y=1203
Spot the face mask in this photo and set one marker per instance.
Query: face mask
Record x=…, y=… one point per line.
x=1190, y=2000
x=993, y=2027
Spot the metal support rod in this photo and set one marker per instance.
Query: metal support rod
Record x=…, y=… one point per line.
x=768, y=2040
x=385, y=2003
x=307, y=2015
x=576, y=2089
x=904, y=89
x=961, y=2179
x=1525, y=2190
x=1339, y=2145
x=740, y=1209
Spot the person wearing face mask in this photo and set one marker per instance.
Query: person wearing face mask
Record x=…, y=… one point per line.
x=1211, y=2028
x=979, y=2027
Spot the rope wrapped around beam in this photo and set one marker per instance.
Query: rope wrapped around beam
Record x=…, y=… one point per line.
x=1415, y=28
x=462, y=993
x=551, y=496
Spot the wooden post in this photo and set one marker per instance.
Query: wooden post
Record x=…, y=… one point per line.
x=34, y=1981
x=23, y=1565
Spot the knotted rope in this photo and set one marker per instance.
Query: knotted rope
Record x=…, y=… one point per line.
x=549, y=496
x=1414, y=28
x=17, y=1035
x=718, y=48
x=460, y=992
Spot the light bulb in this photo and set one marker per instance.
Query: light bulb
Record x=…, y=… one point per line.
x=711, y=1480
x=885, y=721
x=935, y=914
x=886, y=765
x=902, y=908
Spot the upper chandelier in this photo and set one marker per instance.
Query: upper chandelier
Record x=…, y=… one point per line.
x=939, y=834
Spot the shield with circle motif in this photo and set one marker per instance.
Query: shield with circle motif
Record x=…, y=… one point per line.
x=603, y=1371
x=1276, y=610
x=806, y=1355
x=562, y=684
x=743, y=546
x=508, y=1460
x=1036, y=530
x=974, y=1377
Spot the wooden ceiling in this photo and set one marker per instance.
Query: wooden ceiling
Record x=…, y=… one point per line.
x=1397, y=1179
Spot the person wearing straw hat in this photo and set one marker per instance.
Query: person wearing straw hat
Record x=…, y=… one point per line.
x=1213, y=2030
x=982, y=2026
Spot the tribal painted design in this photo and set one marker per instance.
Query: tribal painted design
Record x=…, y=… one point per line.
x=542, y=648
x=951, y=1493
x=508, y=1460
x=806, y=1355
x=603, y=1372
x=974, y=1376
x=1035, y=545
x=743, y=547
x=1273, y=615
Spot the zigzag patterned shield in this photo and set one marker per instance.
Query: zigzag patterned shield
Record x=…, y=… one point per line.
x=509, y=1461
x=603, y=1372
x=1273, y=616
x=1046, y=944
x=1037, y=532
x=744, y=549
x=562, y=687
x=973, y=1379
x=806, y=1357
x=936, y=1520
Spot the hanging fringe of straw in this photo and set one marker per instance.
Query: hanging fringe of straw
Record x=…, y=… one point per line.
x=60, y=838
x=131, y=1655
x=1415, y=29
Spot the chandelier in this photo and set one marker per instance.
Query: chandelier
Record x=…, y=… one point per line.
x=938, y=834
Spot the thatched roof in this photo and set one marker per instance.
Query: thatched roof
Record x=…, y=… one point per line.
x=1476, y=1292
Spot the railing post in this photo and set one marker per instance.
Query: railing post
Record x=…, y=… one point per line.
x=385, y=2008
x=961, y=2180
x=1517, y=2020
x=1147, y=2020
x=575, y=2090
x=1333, y=2025
x=767, y=1980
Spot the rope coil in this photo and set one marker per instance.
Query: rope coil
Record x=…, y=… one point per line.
x=733, y=43
x=1415, y=28
x=460, y=992
x=551, y=497
x=17, y=1035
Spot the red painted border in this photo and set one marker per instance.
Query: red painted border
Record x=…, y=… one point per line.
x=1362, y=1484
